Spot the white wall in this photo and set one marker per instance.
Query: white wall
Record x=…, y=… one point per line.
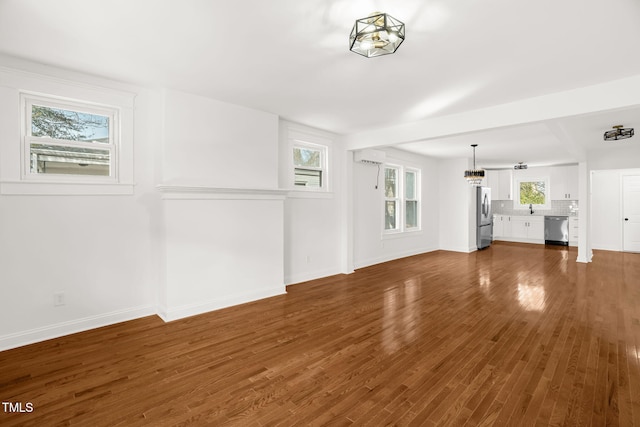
x=606, y=196
x=371, y=246
x=457, y=207
x=606, y=167
x=176, y=250
x=220, y=251
x=312, y=219
x=96, y=249
x=212, y=143
x=621, y=155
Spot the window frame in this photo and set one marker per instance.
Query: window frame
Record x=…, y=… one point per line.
x=416, y=189
x=401, y=200
x=27, y=100
x=547, y=193
x=396, y=200
x=323, y=168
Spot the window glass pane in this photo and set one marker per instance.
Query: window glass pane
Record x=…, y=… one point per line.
x=390, y=215
x=410, y=185
x=390, y=183
x=306, y=157
x=56, y=159
x=532, y=193
x=411, y=214
x=308, y=177
x=69, y=125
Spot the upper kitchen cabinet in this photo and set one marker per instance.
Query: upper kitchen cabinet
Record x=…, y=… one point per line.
x=500, y=182
x=564, y=182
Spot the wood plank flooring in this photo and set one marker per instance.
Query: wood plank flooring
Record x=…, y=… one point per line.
x=512, y=335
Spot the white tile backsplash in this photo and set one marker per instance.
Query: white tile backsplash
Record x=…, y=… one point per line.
x=558, y=207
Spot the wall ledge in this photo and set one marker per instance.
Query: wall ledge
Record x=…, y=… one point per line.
x=194, y=192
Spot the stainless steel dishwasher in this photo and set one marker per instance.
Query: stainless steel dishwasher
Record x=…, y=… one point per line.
x=556, y=230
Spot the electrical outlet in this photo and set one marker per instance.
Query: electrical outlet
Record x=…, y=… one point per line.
x=308, y=259
x=58, y=299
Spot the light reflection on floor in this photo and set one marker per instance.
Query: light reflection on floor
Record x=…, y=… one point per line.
x=401, y=315
x=484, y=279
x=531, y=297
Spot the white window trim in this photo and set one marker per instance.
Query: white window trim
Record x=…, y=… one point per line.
x=398, y=201
x=26, y=102
x=547, y=198
x=418, y=227
x=401, y=201
x=104, y=93
x=324, y=166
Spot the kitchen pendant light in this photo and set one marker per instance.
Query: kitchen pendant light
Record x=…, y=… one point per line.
x=618, y=132
x=377, y=34
x=474, y=176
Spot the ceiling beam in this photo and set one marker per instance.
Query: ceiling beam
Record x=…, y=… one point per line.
x=616, y=94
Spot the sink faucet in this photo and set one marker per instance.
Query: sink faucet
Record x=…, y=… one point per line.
x=531, y=208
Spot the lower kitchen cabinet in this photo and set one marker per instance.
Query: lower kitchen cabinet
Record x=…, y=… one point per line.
x=501, y=226
x=574, y=225
x=528, y=229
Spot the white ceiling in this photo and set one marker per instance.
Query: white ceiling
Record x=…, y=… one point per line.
x=291, y=58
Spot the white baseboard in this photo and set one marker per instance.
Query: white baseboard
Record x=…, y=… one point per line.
x=305, y=277
x=462, y=249
x=44, y=333
x=169, y=314
x=391, y=257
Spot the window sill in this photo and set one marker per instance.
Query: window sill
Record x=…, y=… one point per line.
x=309, y=194
x=388, y=235
x=63, y=189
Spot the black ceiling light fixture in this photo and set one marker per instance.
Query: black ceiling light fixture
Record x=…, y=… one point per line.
x=520, y=165
x=618, y=132
x=376, y=35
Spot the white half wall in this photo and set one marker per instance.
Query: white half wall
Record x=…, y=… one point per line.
x=220, y=249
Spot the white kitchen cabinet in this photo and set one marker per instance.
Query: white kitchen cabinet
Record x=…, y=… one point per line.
x=501, y=226
x=564, y=182
x=574, y=228
x=500, y=182
x=527, y=229
x=505, y=184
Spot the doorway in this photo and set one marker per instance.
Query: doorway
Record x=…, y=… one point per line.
x=631, y=213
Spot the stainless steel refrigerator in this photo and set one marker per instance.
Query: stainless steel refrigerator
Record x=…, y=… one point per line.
x=484, y=233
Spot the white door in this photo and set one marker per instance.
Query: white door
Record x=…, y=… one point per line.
x=631, y=213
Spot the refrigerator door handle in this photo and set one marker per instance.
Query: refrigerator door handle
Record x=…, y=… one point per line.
x=485, y=205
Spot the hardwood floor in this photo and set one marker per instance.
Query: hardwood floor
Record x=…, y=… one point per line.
x=512, y=335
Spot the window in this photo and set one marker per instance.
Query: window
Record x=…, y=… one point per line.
x=401, y=200
x=411, y=199
x=70, y=140
x=392, y=201
x=532, y=192
x=309, y=166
